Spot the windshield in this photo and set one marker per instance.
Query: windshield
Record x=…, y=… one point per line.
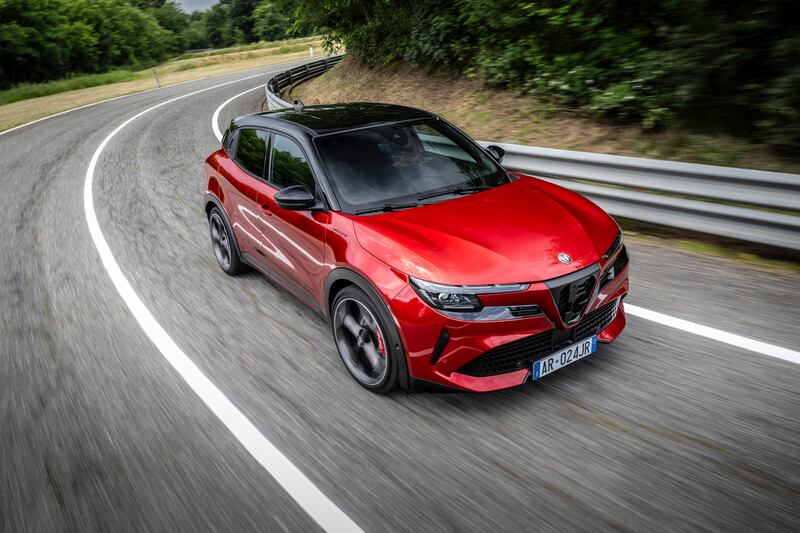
x=393, y=166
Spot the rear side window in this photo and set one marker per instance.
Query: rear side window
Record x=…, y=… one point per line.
x=227, y=140
x=289, y=164
x=251, y=150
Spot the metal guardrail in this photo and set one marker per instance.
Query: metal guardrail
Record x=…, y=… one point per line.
x=283, y=82
x=728, y=202
x=680, y=195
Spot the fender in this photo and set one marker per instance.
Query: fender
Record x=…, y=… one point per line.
x=345, y=274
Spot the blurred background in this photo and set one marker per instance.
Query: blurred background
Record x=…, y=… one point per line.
x=705, y=81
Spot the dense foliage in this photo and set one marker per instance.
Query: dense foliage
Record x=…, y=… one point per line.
x=719, y=65
x=49, y=39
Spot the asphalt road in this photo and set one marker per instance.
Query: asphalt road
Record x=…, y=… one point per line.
x=661, y=431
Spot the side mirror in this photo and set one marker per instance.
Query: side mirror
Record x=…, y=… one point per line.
x=496, y=152
x=295, y=198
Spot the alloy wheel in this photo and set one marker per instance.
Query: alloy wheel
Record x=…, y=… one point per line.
x=360, y=341
x=220, y=241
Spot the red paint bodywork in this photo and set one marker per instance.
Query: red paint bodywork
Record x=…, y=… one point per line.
x=509, y=234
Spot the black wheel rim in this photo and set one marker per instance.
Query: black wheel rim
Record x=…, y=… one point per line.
x=220, y=241
x=360, y=341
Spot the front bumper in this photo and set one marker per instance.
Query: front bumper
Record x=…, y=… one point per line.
x=482, y=356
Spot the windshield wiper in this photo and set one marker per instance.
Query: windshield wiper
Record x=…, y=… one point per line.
x=454, y=190
x=385, y=208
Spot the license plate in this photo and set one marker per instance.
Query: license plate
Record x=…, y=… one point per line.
x=564, y=357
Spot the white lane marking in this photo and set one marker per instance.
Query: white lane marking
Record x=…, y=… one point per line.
x=215, y=118
x=691, y=327
x=74, y=109
x=715, y=334
x=9, y=130
x=299, y=487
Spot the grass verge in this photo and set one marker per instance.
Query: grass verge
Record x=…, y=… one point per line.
x=29, y=102
x=250, y=47
x=760, y=257
x=36, y=90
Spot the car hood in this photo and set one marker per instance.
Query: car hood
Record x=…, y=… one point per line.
x=509, y=234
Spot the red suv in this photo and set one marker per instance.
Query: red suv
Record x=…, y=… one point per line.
x=432, y=263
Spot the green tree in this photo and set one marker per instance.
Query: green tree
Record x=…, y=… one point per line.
x=239, y=14
x=170, y=16
x=194, y=36
x=270, y=22
x=42, y=40
x=730, y=65
x=218, y=26
x=39, y=43
x=47, y=39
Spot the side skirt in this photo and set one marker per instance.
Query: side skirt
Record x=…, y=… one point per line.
x=289, y=286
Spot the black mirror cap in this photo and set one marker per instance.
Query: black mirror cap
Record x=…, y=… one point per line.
x=295, y=198
x=496, y=152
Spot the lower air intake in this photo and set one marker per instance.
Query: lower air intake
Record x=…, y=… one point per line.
x=522, y=353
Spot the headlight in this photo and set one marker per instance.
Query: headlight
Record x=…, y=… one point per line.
x=614, y=245
x=459, y=297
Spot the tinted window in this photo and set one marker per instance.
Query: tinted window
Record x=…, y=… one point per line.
x=289, y=164
x=251, y=149
x=400, y=163
x=227, y=139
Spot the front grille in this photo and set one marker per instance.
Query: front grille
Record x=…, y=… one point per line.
x=572, y=293
x=523, y=352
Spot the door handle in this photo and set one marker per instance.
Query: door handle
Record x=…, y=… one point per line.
x=265, y=209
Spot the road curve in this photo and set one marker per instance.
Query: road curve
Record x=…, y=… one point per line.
x=663, y=430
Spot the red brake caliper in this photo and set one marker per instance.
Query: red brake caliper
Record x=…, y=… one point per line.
x=381, y=345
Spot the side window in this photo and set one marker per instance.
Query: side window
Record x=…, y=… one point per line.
x=251, y=149
x=289, y=164
x=227, y=140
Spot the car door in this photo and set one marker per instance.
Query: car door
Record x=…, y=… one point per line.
x=298, y=236
x=246, y=174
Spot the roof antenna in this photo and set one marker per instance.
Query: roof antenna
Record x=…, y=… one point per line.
x=298, y=105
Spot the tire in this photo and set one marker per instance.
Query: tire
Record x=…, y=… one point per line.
x=373, y=334
x=223, y=244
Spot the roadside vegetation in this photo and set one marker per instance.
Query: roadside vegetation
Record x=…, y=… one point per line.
x=35, y=90
x=62, y=96
x=700, y=69
x=86, y=42
x=314, y=39
x=185, y=62
x=506, y=115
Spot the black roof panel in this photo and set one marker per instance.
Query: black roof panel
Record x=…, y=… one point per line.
x=330, y=118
